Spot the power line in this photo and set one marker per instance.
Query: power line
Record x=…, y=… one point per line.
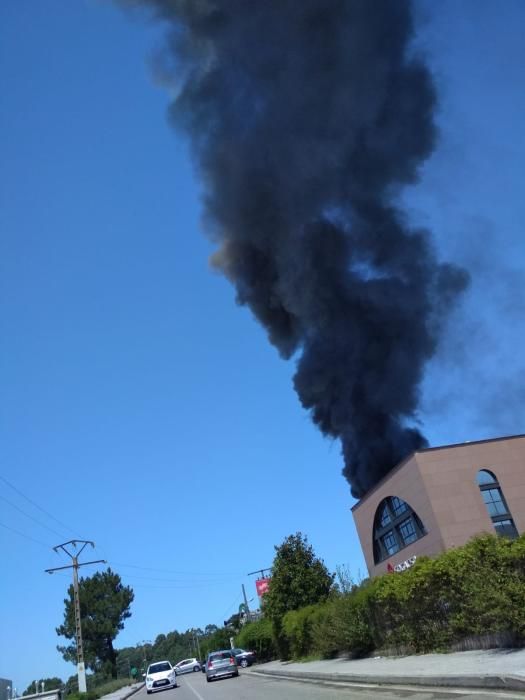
x=27, y=537
x=237, y=598
x=213, y=576
x=181, y=573
x=29, y=500
x=190, y=585
x=206, y=581
x=35, y=520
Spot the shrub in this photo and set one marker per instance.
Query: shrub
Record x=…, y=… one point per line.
x=257, y=636
x=469, y=595
x=90, y=695
x=298, y=628
x=324, y=630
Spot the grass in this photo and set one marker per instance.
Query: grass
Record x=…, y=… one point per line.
x=111, y=686
x=100, y=690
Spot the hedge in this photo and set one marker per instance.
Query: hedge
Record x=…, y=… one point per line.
x=472, y=594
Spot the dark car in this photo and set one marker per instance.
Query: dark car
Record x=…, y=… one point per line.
x=244, y=658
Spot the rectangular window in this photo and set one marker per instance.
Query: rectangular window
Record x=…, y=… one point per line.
x=407, y=530
x=390, y=543
x=506, y=528
x=494, y=502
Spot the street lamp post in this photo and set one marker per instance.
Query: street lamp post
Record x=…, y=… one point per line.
x=144, y=644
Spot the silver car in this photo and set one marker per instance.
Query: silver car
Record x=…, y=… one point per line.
x=187, y=666
x=220, y=664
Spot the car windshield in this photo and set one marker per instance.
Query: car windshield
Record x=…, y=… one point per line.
x=220, y=655
x=158, y=668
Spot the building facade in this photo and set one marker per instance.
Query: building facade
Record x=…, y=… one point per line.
x=6, y=689
x=440, y=498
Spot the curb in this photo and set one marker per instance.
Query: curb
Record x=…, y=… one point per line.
x=123, y=697
x=135, y=690
x=466, y=681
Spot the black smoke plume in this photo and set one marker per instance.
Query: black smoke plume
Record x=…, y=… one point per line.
x=306, y=117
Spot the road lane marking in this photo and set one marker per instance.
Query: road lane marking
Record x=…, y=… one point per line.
x=193, y=690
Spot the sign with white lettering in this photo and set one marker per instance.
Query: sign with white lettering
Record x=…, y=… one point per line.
x=403, y=566
x=262, y=585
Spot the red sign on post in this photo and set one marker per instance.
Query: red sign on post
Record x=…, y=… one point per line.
x=262, y=585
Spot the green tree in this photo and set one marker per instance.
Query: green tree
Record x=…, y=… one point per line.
x=219, y=639
x=49, y=684
x=104, y=605
x=299, y=578
x=258, y=637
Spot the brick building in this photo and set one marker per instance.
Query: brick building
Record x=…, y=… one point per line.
x=439, y=498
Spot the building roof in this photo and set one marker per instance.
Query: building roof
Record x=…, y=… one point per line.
x=430, y=449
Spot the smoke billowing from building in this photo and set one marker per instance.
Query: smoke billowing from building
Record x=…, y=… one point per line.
x=306, y=117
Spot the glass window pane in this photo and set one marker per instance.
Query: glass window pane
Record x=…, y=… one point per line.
x=402, y=527
x=485, y=477
x=500, y=508
x=491, y=507
x=506, y=528
x=493, y=499
x=491, y=495
x=398, y=506
x=385, y=517
x=390, y=542
x=407, y=531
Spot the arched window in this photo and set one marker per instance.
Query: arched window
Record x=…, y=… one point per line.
x=496, y=505
x=396, y=526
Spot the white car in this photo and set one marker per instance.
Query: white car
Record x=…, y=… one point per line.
x=160, y=675
x=187, y=666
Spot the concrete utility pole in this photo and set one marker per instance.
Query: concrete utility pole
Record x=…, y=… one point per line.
x=197, y=643
x=245, y=602
x=81, y=668
x=260, y=571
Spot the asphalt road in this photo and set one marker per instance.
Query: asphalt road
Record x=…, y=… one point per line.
x=249, y=686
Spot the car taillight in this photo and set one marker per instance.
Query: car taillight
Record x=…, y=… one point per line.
x=210, y=664
x=232, y=660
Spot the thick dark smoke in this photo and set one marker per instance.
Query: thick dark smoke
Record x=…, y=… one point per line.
x=306, y=117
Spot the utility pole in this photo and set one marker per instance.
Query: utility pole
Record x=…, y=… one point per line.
x=246, y=602
x=260, y=571
x=197, y=644
x=81, y=668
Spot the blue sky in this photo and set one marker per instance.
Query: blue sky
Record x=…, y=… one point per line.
x=143, y=408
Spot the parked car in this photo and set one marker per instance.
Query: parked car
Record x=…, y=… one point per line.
x=187, y=666
x=221, y=663
x=244, y=658
x=160, y=675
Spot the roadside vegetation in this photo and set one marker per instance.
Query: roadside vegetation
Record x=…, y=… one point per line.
x=104, y=606
x=99, y=691
x=468, y=597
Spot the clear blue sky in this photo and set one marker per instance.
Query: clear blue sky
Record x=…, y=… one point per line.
x=140, y=405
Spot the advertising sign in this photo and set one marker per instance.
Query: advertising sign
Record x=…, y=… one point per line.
x=401, y=567
x=262, y=585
